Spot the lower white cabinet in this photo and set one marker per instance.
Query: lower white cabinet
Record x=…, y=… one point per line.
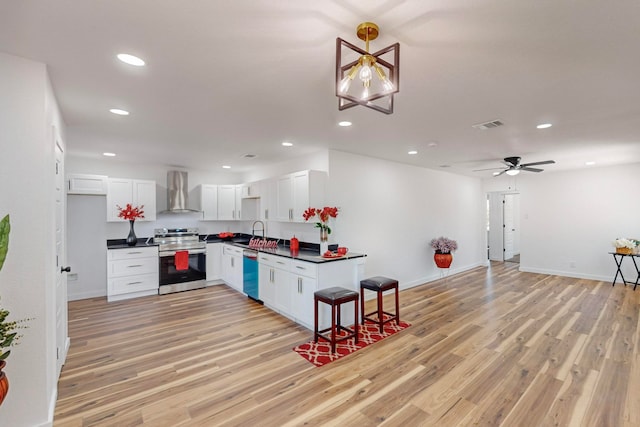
x=303, y=283
x=232, y=266
x=273, y=282
x=214, y=261
x=132, y=272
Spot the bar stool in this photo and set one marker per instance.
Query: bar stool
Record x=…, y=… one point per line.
x=335, y=296
x=379, y=284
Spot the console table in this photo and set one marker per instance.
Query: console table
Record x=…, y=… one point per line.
x=618, y=259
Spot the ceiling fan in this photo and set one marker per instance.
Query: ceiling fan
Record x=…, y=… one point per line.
x=514, y=166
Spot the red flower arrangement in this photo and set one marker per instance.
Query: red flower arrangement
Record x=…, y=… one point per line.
x=323, y=215
x=130, y=212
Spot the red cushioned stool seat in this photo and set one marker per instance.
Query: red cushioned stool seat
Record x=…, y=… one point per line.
x=334, y=297
x=379, y=284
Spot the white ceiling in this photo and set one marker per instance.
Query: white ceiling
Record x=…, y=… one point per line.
x=228, y=78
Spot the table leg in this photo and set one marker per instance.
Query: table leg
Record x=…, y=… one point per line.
x=618, y=263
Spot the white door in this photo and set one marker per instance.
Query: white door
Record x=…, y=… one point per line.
x=61, y=268
x=509, y=226
x=495, y=227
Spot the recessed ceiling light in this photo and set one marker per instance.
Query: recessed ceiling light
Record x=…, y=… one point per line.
x=412, y=152
x=591, y=163
x=119, y=112
x=287, y=144
x=109, y=154
x=544, y=126
x=445, y=166
x=344, y=123
x=130, y=59
x=226, y=167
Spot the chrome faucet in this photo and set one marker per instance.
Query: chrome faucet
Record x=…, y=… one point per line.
x=253, y=228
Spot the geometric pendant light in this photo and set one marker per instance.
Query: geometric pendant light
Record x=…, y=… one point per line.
x=363, y=78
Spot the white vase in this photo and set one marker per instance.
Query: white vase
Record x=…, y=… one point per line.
x=324, y=241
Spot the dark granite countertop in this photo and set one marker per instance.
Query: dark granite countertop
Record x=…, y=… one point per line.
x=309, y=252
x=122, y=243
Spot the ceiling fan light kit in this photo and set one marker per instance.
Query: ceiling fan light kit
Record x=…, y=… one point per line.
x=514, y=166
x=377, y=73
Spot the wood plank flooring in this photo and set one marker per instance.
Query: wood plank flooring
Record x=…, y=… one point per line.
x=492, y=346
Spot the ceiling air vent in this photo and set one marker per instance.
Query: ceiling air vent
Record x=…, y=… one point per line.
x=488, y=125
x=249, y=156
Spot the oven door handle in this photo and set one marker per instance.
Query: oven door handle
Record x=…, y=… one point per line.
x=191, y=252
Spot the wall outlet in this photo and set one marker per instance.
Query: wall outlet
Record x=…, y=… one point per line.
x=572, y=264
x=72, y=277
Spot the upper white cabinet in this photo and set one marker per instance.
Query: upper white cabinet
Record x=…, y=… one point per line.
x=298, y=191
x=267, y=200
x=227, y=210
x=121, y=191
x=87, y=184
x=206, y=198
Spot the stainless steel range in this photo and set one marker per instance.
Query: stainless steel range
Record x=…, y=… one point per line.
x=183, y=259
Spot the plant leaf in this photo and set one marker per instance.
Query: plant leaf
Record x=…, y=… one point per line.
x=5, y=227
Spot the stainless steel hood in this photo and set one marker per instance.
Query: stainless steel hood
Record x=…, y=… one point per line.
x=178, y=192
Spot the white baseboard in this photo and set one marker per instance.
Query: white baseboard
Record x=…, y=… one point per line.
x=573, y=274
x=86, y=295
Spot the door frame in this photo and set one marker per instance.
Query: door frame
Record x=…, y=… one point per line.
x=495, y=235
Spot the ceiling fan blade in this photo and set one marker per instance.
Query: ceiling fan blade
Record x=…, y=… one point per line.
x=498, y=174
x=531, y=169
x=546, y=162
x=489, y=169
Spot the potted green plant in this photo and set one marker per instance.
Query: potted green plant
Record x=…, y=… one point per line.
x=8, y=328
x=443, y=247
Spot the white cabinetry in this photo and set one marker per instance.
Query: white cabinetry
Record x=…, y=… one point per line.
x=232, y=266
x=87, y=184
x=132, y=272
x=287, y=286
x=121, y=191
x=267, y=200
x=214, y=261
x=229, y=202
x=296, y=192
x=207, y=198
x=304, y=282
x=274, y=282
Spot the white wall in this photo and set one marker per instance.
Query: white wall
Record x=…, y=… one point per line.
x=27, y=112
x=569, y=219
x=391, y=211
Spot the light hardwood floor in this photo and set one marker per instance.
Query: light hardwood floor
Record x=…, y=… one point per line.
x=491, y=346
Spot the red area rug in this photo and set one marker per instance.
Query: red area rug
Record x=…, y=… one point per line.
x=320, y=353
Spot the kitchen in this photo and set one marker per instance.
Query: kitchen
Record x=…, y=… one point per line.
x=389, y=209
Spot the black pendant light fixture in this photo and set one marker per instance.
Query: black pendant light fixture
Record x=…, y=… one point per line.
x=363, y=78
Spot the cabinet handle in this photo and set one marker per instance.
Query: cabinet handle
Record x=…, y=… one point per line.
x=280, y=262
x=239, y=214
x=233, y=214
x=133, y=253
x=232, y=262
x=299, y=285
x=301, y=268
x=266, y=214
x=134, y=265
x=134, y=283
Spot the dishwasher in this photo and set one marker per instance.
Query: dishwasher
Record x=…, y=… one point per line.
x=250, y=274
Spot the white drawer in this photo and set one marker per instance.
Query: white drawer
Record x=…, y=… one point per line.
x=126, y=267
x=274, y=261
x=125, y=285
x=232, y=250
x=136, y=252
x=306, y=269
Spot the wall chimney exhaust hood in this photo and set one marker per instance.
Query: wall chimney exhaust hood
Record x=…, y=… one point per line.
x=178, y=193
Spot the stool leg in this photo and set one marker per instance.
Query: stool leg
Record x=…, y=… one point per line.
x=315, y=320
x=362, y=303
x=380, y=312
x=355, y=323
x=333, y=328
x=397, y=306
